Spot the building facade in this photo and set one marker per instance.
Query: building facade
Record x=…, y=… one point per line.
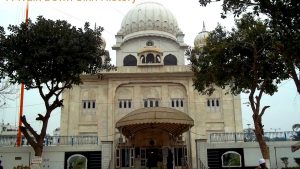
x=148, y=107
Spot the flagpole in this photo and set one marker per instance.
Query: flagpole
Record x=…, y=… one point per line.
x=19, y=136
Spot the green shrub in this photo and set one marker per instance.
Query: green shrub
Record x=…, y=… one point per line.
x=21, y=167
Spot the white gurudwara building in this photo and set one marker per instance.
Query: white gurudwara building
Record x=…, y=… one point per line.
x=148, y=105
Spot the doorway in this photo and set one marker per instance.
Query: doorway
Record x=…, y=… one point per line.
x=154, y=157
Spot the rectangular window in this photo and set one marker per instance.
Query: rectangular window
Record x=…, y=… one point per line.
x=213, y=102
x=178, y=154
x=94, y=104
x=125, y=103
x=118, y=158
x=177, y=102
x=156, y=103
x=88, y=106
x=151, y=102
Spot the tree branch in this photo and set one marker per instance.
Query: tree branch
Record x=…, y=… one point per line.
x=40, y=117
x=261, y=91
x=28, y=126
x=295, y=79
x=251, y=98
x=40, y=88
x=263, y=110
x=254, y=105
x=48, y=87
x=27, y=136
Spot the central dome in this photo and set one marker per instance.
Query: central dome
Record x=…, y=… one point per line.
x=149, y=16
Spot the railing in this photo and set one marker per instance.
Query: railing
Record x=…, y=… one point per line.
x=109, y=164
x=185, y=164
x=201, y=165
x=52, y=140
x=250, y=136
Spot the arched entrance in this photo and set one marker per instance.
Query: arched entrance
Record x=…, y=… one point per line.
x=149, y=135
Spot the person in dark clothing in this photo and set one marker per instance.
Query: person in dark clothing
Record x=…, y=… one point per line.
x=262, y=164
x=170, y=160
x=1, y=167
x=150, y=160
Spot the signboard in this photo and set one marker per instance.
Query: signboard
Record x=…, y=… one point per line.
x=36, y=160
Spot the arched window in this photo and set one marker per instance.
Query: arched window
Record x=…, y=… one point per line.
x=170, y=60
x=143, y=60
x=129, y=60
x=231, y=159
x=151, y=103
x=157, y=59
x=156, y=103
x=150, y=58
x=77, y=161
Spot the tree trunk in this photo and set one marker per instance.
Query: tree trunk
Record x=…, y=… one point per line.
x=257, y=119
x=36, y=141
x=296, y=79
x=38, y=150
x=297, y=83
x=260, y=137
x=36, y=163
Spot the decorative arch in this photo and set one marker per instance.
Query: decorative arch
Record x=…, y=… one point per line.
x=231, y=159
x=150, y=58
x=170, y=60
x=130, y=60
x=77, y=161
x=124, y=92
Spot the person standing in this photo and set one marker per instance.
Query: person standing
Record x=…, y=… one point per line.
x=261, y=164
x=150, y=160
x=170, y=160
x=1, y=167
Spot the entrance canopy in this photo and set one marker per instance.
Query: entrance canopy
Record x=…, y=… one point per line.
x=170, y=120
x=295, y=147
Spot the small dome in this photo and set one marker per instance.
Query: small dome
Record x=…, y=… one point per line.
x=201, y=37
x=103, y=45
x=149, y=16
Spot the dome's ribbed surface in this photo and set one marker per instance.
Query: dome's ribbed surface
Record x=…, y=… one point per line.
x=149, y=16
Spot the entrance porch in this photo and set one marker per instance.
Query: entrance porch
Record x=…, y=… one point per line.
x=155, y=138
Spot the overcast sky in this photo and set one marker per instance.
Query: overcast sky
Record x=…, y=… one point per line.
x=285, y=105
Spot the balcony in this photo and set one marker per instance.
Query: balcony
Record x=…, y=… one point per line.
x=52, y=140
x=250, y=137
